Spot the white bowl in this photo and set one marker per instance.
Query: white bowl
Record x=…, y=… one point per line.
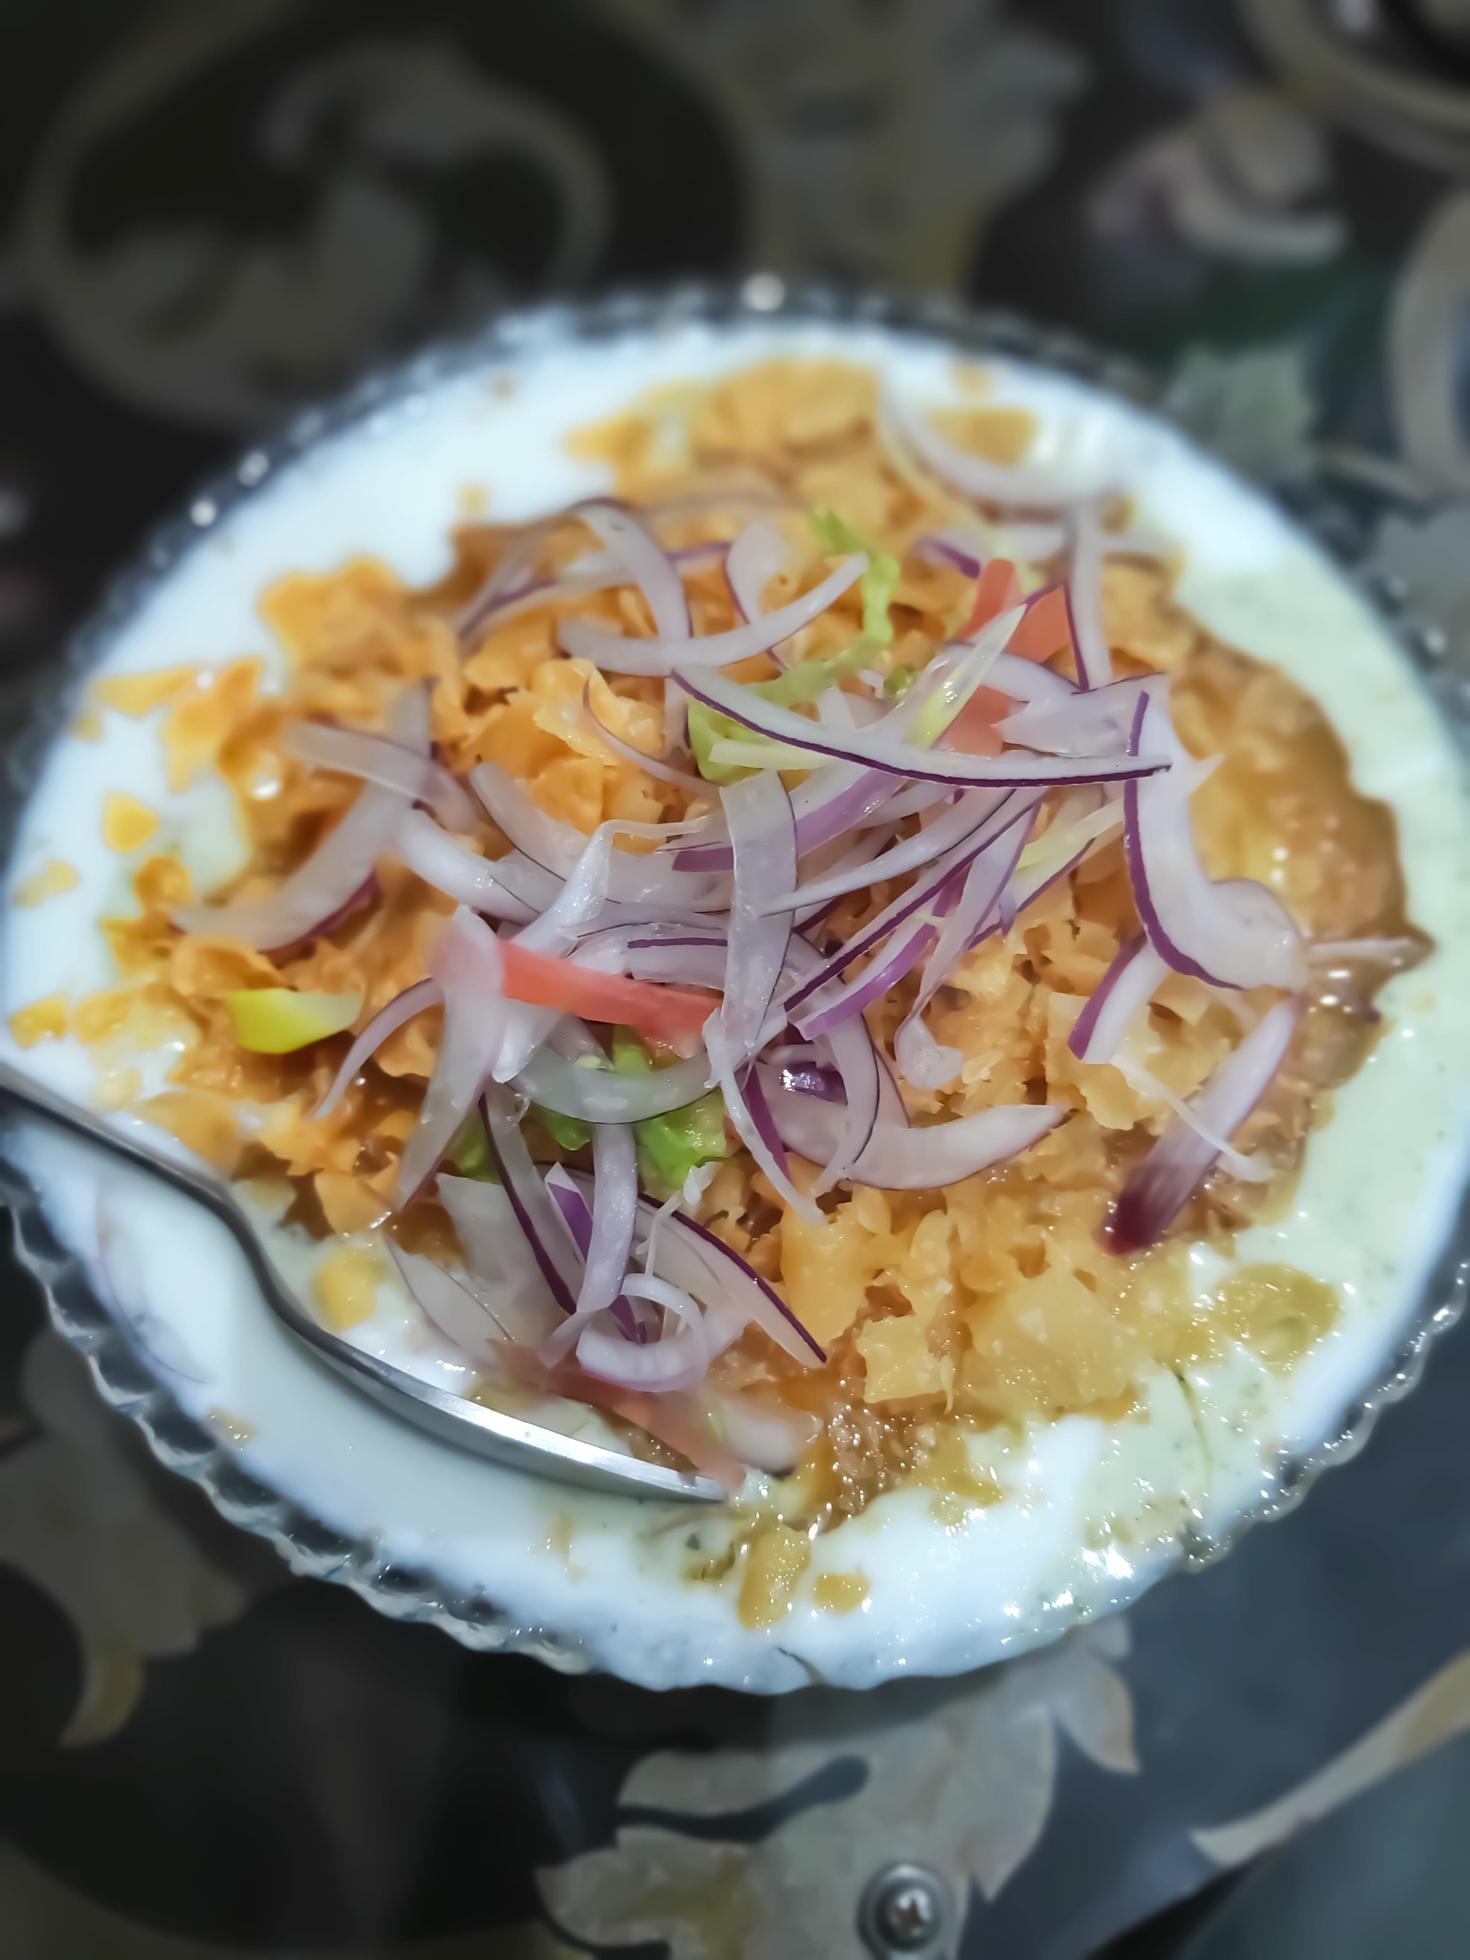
x=504, y=1561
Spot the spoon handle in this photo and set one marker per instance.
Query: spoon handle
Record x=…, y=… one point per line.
x=451, y=1417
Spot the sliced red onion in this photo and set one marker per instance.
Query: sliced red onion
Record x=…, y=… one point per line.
x=502, y=1271
x=599, y=1095
x=387, y=1021
x=685, y=962
x=808, y=1077
x=1084, y=599
x=597, y=573
x=1380, y=950
x=763, y=838
x=1029, y=486
x=939, y=548
x=924, y=1061
x=558, y=847
x=1029, y=681
x=507, y=888
x=920, y=1158
x=1057, y=854
x=902, y=954
x=647, y=564
x=910, y=802
x=465, y=962
x=949, y=830
x=616, y=654
x=1078, y=723
x=640, y=758
x=1231, y=933
x=597, y=1229
x=755, y=558
x=542, y=1225
x=693, y=1257
x=661, y=1367
x=1144, y=1082
x=831, y=801
x=340, y=872
x=1126, y=987
x=760, y=1114
x=614, y=1215
x=764, y=1434
x=452, y=1304
x=317, y=892
x=377, y=759
x=878, y=750
x=924, y=891
x=1157, y=1191
x=762, y=1142
x=867, y=1086
x=580, y=899
x=511, y=577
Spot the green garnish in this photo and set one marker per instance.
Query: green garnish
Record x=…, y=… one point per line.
x=566, y=1132
x=877, y=582
x=671, y=1146
x=469, y=1152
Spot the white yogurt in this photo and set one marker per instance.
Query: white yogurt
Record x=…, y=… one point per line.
x=1371, y=1212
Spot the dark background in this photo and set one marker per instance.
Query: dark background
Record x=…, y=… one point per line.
x=214, y=210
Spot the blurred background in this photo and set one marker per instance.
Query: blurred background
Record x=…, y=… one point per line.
x=214, y=210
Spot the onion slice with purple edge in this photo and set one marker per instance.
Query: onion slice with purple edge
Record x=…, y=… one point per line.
x=919, y=1158
x=1230, y=932
x=694, y=1258
x=378, y=759
x=646, y=562
x=451, y=1303
x=640, y=758
x=756, y=1133
x=821, y=971
x=1077, y=723
x=879, y=750
x=1031, y=487
x=1084, y=599
x=509, y=888
x=661, y=1367
x=923, y=1060
x=388, y=1020
x=763, y=838
x=598, y=1095
x=600, y=1241
x=502, y=1270
x=614, y=653
x=948, y=830
x=465, y=963
x=546, y=1231
x=866, y=1084
x=614, y=1215
x=754, y=559
x=1126, y=987
x=319, y=891
x=558, y=847
x=1157, y=1191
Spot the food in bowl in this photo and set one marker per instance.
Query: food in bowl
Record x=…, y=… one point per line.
x=813, y=955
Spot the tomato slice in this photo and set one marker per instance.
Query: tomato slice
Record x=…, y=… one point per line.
x=973, y=730
x=647, y=1005
x=999, y=589
x=1046, y=628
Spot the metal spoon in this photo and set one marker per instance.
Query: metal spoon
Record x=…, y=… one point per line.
x=469, y=1425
